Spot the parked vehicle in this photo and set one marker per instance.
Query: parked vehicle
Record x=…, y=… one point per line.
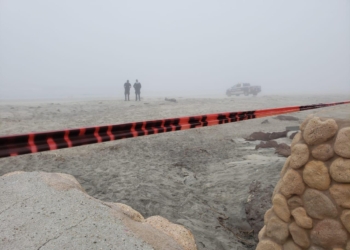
x=243, y=88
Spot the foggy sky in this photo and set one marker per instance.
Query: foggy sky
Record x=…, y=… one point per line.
x=81, y=48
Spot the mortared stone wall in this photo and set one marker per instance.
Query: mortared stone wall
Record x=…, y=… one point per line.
x=311, y=201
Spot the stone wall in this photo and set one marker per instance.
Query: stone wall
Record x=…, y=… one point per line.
x=311, y=201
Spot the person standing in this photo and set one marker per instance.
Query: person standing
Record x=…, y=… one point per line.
x=127, y=87
x=137, y=87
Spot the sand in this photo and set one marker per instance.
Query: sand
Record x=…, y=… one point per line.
x=190, y=177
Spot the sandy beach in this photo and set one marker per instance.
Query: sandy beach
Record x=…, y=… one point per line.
x=190, y=177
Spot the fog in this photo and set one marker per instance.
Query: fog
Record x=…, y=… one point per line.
x=81, y=48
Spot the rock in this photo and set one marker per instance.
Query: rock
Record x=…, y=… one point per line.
x=301, y=218
x=277, y=188
x=283, y=149
x=342, y=143
x=180, y=234
x=328, y=233
x=255, y=209
x=268, y=144
x=348, y=246
x=345, y=219
x=268, y=215
x=318, y=205
x=292, y=135
x=276, y=135
x=13, y=173
x=190, y=180
x=317, y=131
x=61, y=182
x=262, y=233
x=299, y=235
x=316, y=175
x=306, y=121
x=297, y=138
x=315, y=248
x=341, y=194
x=286, y=118
x=292, y=183
x=265, y=122
x=170, y=99
x=52, y=206
x=285, y=167
x=295, y=202
x=323, y=152
x=340, y=170
x=290, y=245
x=280, y=207
x=266, y=136
x=268, y=245
x=277, y=230
x=299, y=156
x=130, y=212
x=257, y=136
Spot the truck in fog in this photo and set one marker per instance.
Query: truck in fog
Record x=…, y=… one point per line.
x=243, y=88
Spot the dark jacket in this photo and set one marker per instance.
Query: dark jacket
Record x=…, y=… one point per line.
x=127, y=86
x=137, y=86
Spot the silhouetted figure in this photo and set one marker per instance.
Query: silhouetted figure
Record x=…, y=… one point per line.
x=137, y=87
x=127, y=87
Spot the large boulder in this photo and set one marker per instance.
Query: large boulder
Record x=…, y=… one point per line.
x=51, y=211
x=266, y=136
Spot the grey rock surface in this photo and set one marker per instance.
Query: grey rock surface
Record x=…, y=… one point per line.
x=37, y=214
